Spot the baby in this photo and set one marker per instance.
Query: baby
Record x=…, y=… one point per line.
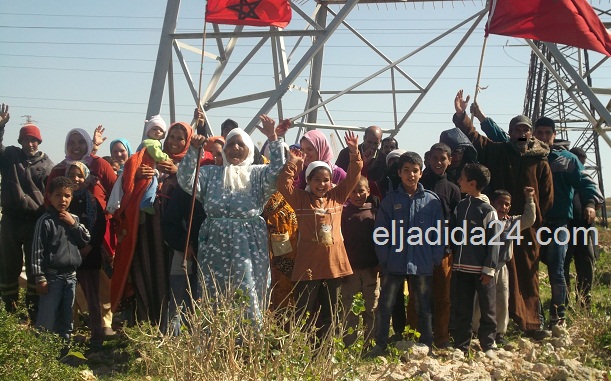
x=155, y=129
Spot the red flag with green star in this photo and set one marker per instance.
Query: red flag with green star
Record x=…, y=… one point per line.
x=249, y=12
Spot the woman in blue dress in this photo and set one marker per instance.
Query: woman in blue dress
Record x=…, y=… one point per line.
x=233, y=243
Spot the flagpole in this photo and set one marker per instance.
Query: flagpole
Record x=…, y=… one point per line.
x=479, y=71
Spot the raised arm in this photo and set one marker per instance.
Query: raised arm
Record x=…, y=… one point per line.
x=187, y=167
x=489, y=126
x=285, y=183
x=463, y=122
x=276, y=149
x=344, y=187
x=528, y=217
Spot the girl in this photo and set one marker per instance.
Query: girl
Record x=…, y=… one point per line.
x=90, y=213
x=321, y=258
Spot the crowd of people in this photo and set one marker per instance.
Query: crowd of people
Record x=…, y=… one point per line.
x=292, y=226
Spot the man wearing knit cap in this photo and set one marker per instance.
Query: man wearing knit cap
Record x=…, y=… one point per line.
x=24, y=175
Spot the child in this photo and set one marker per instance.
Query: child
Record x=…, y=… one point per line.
x=85, y=206
x=58, y=235
x=154, y=130
x=358, y=219
x=476, y=255
x=321, y=260
x=511, y=227
x=412, y=210
x=434, y=178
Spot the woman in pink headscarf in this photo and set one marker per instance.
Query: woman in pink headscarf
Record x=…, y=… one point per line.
x=317, y=148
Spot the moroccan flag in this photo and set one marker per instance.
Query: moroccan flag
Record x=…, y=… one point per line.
x=249, y=12
x=568, y=22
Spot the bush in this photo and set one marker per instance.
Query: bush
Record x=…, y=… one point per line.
x=28, y=355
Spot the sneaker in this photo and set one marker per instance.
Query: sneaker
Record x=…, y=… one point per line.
x=491, y=354
x=109, y=332
x=375, y=352
x=539, y=334
x=500, y=340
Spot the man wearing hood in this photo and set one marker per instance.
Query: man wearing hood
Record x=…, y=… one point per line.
x=463, y=152
x=24, y=175
x=520, y=162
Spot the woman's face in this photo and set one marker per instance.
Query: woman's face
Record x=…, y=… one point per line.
x=77, y=146
x=236, y=151
x=119, y=153
x=309, y=150
x=76, y=175
x=176, y=141
x=216, y=150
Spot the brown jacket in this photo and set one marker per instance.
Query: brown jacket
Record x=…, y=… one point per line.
x=315, y=261
x=512, y=171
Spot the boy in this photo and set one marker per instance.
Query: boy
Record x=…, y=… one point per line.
x=511, y=227
x=58, y=236
x=405, y=213
x=24, y=170
x=476, y=255
x=434, y=178
x=358, y=219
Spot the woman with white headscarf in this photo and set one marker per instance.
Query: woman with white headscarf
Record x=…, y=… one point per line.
x=233, y=242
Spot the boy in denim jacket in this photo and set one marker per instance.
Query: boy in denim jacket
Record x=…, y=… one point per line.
x=409, y=242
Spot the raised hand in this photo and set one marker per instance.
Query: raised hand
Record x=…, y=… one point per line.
x=352, y=141
x=269, y=127
x=98, y=136
x=297, y=157
x=477, y=112
x=198, y=141
x=284, y=125
x=460, y=104
x=529, y=192
x=4, y=115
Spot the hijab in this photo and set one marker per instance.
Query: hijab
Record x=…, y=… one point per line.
x=87, y=159
x=213, y=139
x=125, y=143
x=90, y=207
x=237, y=177
x=177, y=157
x=321, y=145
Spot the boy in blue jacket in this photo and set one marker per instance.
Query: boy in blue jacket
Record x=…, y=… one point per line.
x=476, y=255
x=409, y=242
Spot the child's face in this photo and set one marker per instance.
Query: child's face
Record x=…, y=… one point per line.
x=116, y=167
x=439, y=161
x=76, y=175
x=216, y=150
x=359, y=194
x=502, y=205
x=410, y=174
x=467, y=186
x=60, y=199
x=156, y=133
x=320, y=182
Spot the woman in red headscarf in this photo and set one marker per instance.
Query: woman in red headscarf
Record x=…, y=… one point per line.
x=141, y=254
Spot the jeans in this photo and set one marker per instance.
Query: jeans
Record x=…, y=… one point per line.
x=585, y=258
x=55, y=307
x=420, y=291
x=555, y=254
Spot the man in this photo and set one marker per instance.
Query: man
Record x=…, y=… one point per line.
x=24, y=175
x=520, y=162
x=374, y=161
x=569, y=178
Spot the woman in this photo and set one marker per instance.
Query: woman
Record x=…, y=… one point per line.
x=214, y=145
x=233, y=248
x=120, y=150
x=78, y=148
x=141, y=254
x=316, y=147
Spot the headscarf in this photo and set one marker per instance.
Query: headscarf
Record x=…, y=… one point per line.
x=87, y=159
x=316, y=164
x=177, y=157
x=155, y=121
x=211, y=140
x=321, y=145
x=237, y=177
x=125, y=143
x=90, y=207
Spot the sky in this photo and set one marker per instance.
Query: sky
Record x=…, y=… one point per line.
x=76, y=64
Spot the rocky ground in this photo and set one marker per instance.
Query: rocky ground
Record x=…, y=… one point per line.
x=555, y=358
